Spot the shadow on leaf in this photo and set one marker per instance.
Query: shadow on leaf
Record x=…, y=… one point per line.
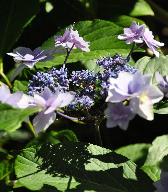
x=93, y=167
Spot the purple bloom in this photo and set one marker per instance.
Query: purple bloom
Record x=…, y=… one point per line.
x=162, y=83
x=162, y=185
x=133, y=33
x=139, y=34
x=48, y=102
x=28, y=57
x=150, y=42
x=118, y=115
x=137, y=89
x=71, y=39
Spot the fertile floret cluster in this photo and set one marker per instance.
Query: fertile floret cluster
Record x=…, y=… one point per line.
x=52, y=79
x=81, y=102
x=84, y=81
x=112, y=67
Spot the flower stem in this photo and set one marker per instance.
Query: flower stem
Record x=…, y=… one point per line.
x=3, y=75
x=31, y=128
x=67, y=56
x=98, y=135
x=131, y=51
x=6, y=79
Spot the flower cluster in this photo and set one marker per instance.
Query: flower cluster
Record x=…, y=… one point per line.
x=139, y=34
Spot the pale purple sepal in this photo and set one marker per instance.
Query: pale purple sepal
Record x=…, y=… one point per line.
x=118, y=115
x=162, y=83
x=151, y=42
x=133, y=33
x=28, y=57
x=16, y=100
x=162, y=184
x=71, y=38
x=43, y=121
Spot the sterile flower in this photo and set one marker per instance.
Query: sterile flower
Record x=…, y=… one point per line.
x=16, y=100
x=139, y=34
x=162, y=185
x=135, y=88
x=28, y=57
x=150, y=42
x=133, y=33
x=118, y=115
x=162, y=83
x=71, y=38
x=49, y=102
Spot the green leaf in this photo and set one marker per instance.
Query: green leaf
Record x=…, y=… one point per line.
x=78, y=167
x=54, y=137
x=102, y=36
x=136, y=152
x=156, y=152
x=20, y=86
x=149, y=65
x=11, y=119
x=15, y=16
x=161, y=107
x=142, y=8
x=5, y=169
x=126, y=21
x=152, y=172
x=64, y=135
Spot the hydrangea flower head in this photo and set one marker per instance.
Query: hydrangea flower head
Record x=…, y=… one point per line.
x=137, y=89
x=48, y=102
x=151, y=42
x=133, y=33
x=118, y=115
x=71, y=39
x=162, y=83
x=28, y=57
